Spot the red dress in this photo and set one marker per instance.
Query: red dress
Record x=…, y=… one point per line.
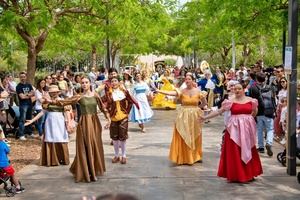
x=239, y=160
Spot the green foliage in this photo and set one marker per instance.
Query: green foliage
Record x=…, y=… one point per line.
x=145, y=26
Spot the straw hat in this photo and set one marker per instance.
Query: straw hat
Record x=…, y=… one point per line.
x=53, y=88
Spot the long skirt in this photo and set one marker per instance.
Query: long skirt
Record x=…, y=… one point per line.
x=231, y=165
x=277, y=126
x=54, y=154
x=89, y=159
x=180, y=153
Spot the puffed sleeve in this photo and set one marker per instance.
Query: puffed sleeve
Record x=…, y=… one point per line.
x=254, y=103
x=226, y=105
x=202, y=94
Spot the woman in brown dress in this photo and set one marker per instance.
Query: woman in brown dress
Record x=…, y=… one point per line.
x=55, y=139
x=89, y=159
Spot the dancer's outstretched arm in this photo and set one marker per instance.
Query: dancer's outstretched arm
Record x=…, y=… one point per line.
x=38, y=116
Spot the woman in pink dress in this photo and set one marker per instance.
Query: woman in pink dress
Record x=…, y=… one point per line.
x=239, y=160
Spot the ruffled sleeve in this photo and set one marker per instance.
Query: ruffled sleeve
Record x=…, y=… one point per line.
x=202, y=94
x=254, y=103
x=226, y=105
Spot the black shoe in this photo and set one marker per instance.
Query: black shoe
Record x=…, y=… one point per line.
x=269, y=150
x=261, y=150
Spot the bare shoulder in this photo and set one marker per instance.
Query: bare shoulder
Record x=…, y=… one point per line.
x=183, y=91
x=249, y=98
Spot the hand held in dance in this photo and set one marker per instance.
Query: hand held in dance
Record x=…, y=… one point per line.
x=211, y=115
x=202, y=119
x=107, y=125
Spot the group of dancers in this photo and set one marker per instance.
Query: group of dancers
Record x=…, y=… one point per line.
x=118, y=105
x=122, y=101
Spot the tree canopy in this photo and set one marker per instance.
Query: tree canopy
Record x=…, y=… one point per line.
x=72, y=29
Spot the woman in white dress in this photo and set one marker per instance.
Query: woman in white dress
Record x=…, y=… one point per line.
x=140, y=91
x=55, y=139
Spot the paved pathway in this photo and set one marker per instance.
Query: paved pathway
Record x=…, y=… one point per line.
x=150, y=176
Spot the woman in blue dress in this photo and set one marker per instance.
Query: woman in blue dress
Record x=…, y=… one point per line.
x=140, y=92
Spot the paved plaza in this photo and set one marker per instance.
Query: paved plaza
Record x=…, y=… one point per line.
x=151, y=176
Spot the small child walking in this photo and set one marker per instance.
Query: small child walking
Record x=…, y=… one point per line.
x=5, y=164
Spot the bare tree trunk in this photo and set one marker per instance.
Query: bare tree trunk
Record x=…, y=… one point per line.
x=246, y=53
x=34, y=46
x=31, y=64
x=94, y=57
x=224, y=54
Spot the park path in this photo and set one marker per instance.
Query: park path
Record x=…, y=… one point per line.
x=150, y=176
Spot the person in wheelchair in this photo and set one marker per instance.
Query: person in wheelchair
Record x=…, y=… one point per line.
x=6, y=168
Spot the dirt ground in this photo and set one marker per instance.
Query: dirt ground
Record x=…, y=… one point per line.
x=23, y=153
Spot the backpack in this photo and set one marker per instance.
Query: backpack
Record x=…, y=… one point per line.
x=267, y=96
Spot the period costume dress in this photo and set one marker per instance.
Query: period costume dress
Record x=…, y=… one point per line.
x=89, y=159
x=161, y=101
x=140, y=91
x=239, y=160
x=186, y=145
x=55, y=141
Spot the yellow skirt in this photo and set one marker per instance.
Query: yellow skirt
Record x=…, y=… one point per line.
x=180, y=153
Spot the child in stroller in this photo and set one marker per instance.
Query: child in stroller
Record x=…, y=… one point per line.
x=281, y=156
x=7, y=172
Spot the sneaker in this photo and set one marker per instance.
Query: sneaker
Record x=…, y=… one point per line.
x=22, y=138
x=19, y=190
x=30, y=136
x=269, y=150
x=261, y=150
x=7, y=141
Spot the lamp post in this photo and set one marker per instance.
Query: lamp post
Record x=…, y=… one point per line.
x=291, y=62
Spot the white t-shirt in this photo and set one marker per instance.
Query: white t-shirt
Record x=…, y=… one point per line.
x=38, y=97
x=281, y=94
x=283, y=114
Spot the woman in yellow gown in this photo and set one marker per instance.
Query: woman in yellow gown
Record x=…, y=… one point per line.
x=162, y=100
x=186, y=145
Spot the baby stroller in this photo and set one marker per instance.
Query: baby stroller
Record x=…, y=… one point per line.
x=281, y=156
x=11, y=123
x=10, y=191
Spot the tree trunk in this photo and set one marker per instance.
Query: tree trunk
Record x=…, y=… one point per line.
x=246, y=53
x=34, y=46
x=31, y=65
x=94, y=57
x=113, y=56
x=224, y=54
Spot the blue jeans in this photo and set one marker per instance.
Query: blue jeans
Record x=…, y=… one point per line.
x=25, y=114
x=265, y=123
x=40, y=123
